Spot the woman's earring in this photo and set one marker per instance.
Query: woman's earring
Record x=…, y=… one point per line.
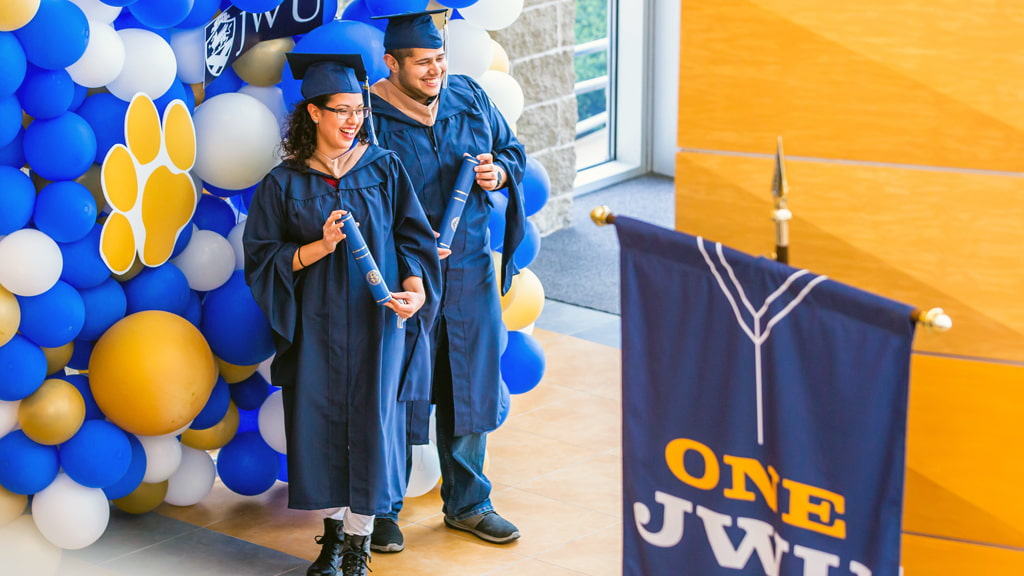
x=316, y=121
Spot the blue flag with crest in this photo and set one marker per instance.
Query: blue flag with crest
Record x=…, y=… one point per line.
x=764, y=414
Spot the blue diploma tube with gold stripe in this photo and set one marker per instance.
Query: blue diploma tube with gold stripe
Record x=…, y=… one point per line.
x=364, y=260
x=463, y=184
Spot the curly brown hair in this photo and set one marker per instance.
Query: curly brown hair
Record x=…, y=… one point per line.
x=299, y=141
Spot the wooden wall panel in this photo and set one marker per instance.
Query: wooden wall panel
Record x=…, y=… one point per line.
x=923, y=237
x=931, y=82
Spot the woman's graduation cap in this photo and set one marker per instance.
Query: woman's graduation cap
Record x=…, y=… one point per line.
x=412, y=30
x=331, y=74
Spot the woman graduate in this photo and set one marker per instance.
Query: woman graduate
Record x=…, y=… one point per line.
x=341, y=360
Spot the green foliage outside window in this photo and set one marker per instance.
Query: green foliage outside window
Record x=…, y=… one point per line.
x=591, y=24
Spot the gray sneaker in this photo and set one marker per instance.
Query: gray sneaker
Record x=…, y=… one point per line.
x=387, y=536
x=488, y=526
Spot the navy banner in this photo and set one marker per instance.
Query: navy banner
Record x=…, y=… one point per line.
x=764, y=415
x=233, y=31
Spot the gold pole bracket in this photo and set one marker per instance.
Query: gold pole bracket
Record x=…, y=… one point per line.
x=602, y=215
x=935, y=320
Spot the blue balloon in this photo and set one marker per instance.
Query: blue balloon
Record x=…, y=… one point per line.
x=53, y=318
x=162, y=288
x=80, y=94
x=458, y=3
x=17, y=200
x=26, y=467
x=241, y=201
x=121, y=3
x=184, y=237
x=131, y=479
x=496, y=224
x=256, y=6
x=247, y=465
x=529, y=247
x=83, y=265
x=13, y=154
x=215, y=408
x=194, y=310
x=504, y=404
x=214, y=214
x=343, y=37
x=360, y=12
x=10, y=118
x=248, y=421
x=523, y=363
x=46, y=93
x=250, y=393
x=80, y=355
x=105, y=114
x=104, y=306
x=234, y=325
x=71, y=135
x=387, y=7
x=57, y=35
x=23, y=366
x=159, y=14
x=536, y=186
x=177, y=91
x=283, y=461
x=81, y=382
x=65, y=211
x=202, y=12
x=98, y=455
x=13, y=64
x=227, y=82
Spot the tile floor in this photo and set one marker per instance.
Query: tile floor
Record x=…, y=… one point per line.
x=555, y=465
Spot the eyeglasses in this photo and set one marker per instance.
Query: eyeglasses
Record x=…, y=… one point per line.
x=346, y=113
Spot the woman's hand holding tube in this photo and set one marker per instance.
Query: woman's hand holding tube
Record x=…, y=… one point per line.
x=407, y=303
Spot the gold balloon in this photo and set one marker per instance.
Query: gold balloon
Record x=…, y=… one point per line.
x=233, y=373
x=199, y=91
x=58, y=358
x=53, y=413
x=10, y=316
x=499, y=61
x=143, y=499
x=528, y=303
x=16, y=13
x=262, y=64
x=11, y=506
x=215, y=436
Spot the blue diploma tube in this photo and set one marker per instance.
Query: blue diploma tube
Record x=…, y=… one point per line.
x=463, y=184
x=364, y=260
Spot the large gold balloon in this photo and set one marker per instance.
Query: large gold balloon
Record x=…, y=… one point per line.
x=499, y=61
x=16, y=13
x=143, y=499
x=215, y=436
x=11, y=506
x=233, y=373
x=10, y=316
x=53, y=413
x=152, y=372
x=58, y=358
x=262, y=64
x=528, y=303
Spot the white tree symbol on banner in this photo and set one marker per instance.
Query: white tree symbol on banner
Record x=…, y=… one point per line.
x=757, y=334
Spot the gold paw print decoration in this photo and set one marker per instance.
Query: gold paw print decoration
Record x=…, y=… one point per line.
x=147, y=185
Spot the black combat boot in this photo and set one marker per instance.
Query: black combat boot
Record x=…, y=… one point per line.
x=355, y=555
x=327, y=563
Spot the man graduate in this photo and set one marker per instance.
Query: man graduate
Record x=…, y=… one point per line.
x=431, y=120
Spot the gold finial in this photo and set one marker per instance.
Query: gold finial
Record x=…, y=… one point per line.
x=602, y=215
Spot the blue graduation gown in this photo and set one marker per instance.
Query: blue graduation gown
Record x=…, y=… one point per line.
x=341, y=358
x=466, y=121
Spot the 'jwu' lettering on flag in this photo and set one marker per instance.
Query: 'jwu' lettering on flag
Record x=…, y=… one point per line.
x=764, y=414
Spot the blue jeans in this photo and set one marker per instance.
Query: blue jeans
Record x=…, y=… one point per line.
x=465, y=490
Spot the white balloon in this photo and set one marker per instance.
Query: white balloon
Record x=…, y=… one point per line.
x=237, y=140
x=26, y=551
x=207, y=261
x=505, y=92
x=163, y=456
x=235, y=239
x=193, y=480
x=470, y=49
x=189, y=48
x=8, y=416
x=98, y=11
x=149, y=65
x=30, y=262
x=103, y=59
x=272, y=97
x=264, y=368
x=271, y=422
x=425, y=472
x=69, y=514
x=492, y=14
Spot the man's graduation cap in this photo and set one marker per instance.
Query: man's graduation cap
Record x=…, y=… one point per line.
x=412, y=30
x=328, y=73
